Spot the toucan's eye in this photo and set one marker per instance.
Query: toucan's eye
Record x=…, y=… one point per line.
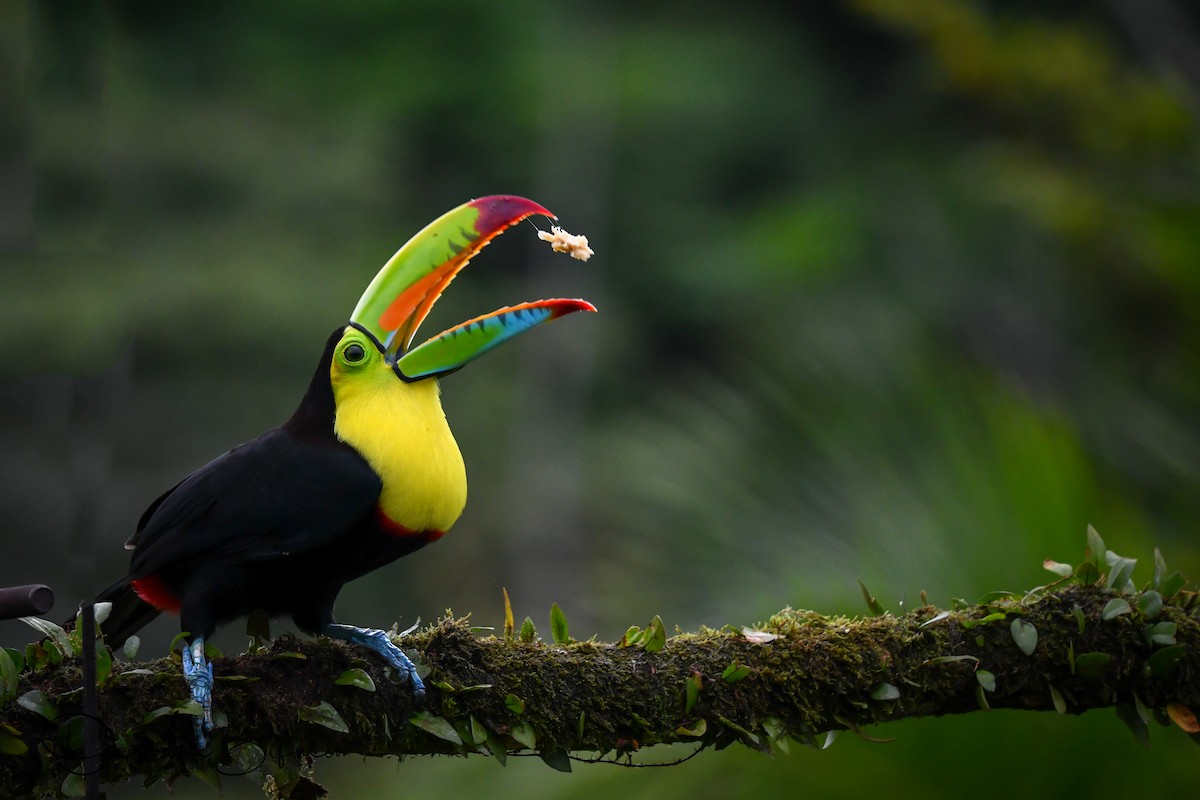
x=354, y=354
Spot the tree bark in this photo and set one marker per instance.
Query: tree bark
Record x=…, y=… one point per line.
x=498, y=694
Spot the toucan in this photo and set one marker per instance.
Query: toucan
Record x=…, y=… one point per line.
x=365, y=471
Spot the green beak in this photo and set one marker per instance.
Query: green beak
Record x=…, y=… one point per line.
x=404, y=291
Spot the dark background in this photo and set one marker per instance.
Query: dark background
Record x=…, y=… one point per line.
x=901, y=290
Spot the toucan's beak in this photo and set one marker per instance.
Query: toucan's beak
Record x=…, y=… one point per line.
x=401, y=295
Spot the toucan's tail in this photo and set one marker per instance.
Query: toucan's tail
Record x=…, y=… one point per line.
x=129, y=612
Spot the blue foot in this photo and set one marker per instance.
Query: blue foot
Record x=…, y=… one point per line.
x=199, y=676
x=379, y=642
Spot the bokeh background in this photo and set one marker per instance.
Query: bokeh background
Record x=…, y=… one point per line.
x=904, y=290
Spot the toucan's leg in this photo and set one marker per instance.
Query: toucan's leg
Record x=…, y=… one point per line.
x=199, y=676
x=379, y=642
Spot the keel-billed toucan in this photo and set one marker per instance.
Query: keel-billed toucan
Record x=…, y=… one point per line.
x=365, y=471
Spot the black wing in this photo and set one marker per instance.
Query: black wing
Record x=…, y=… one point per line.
x=275, y=495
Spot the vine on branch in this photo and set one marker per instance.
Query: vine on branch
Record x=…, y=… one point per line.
x=1091, y=638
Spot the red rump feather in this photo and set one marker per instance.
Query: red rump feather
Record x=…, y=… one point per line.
x=155, y=592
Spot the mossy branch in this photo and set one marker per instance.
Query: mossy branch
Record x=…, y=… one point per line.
x=500, y=694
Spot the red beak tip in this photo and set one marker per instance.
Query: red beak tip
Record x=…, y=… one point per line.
x=498, y=211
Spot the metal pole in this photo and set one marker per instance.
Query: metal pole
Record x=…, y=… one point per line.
x=25, y=601
x=91, y=731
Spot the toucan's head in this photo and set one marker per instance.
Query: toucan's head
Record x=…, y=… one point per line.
x=379, y=337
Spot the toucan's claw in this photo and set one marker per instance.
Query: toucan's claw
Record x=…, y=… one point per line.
x=199, y=676
x=379, y=642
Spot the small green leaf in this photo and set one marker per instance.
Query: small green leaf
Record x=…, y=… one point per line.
x=1172, y=585
x=747, y=736
x=514, y=703
x=74, y=785
x=995, y=616
x=296, y=654
x=1091, y=665
x=528, y=633
x=558, y=625
x=524, y=734
x=437, y=726
x=656, y=635
x=873, y=605
x=1025, y=635
x=775, y=733
x=139, y=671
x=208, y=775
x=986, y=679
x=9, y=680
x=885, y=691
x=187, y=708
x=1163, y=633
x=937, y=618
x=582, y=722
x=34, y=656
x=1060, y=705
x=18, y=658
x=1120, y=573
x=981, y=698
x=100, y=612
x=632, y=637
x=759, y=637
x=1080, y=619
x=1150, y=604
x=245, y=758
x=10, y=742
x=49, y=629
x=691, y=690
x=130, y=648
x=103, y=664
x=325, y=715
x=509, y=624
x=1115, y=608
x=39, y=703
x=557, y=759
x=696, y=729
x=1160, y=569
x=1086, y=574
x=1162, y=662
x=948, y=660
x=239, y=678
x=357, y=678
x=496, y=747
x=180, y=639
x=1141, y=709
x=734, y=672
x=640, y=720
x=479, y=733
x=1095, y=548
x=1128, y=714
x=1058, y=568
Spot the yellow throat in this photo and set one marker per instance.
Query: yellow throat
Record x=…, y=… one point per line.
x=401, y=430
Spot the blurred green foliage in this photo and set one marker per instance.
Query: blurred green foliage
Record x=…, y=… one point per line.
x=900, y=290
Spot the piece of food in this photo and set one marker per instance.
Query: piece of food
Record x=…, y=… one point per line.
x=563, y=242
